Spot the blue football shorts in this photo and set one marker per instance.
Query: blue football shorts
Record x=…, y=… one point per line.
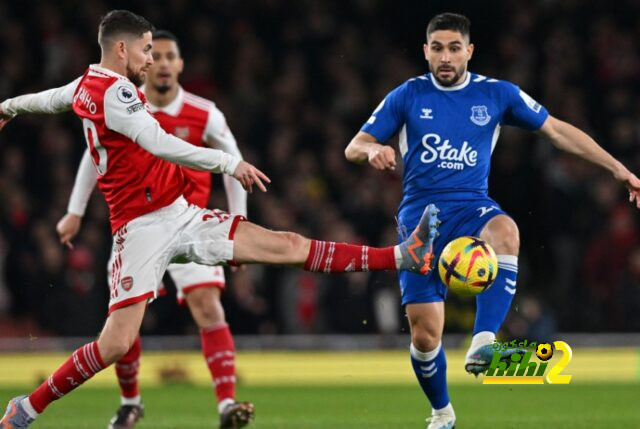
x=458, y=218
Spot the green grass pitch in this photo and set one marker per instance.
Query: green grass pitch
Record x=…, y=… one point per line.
x=360, y=406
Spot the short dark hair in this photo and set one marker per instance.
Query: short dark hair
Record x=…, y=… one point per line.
x=450, y=21
x=119, y=22
x=165, y=35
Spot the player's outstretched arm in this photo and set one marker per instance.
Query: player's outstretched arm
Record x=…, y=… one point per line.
x=131, y=119
x=573, y=140
x=54, y=100
x=365, y=148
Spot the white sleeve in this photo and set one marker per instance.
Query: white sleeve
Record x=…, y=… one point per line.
x=51, y=101
x=125, y=113
x=86, y=179
x=218, y=135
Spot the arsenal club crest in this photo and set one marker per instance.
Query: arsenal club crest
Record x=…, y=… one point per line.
x=181, y=133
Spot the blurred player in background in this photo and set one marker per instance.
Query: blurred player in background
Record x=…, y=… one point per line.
x=199, y=122
x=449, y=121
x=153, y=225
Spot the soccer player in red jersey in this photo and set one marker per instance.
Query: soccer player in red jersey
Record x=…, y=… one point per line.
x=199, y=122
x=152, y=223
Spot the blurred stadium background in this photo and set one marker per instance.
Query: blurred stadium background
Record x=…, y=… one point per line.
x=296, y=80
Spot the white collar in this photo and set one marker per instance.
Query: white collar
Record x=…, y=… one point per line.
x=451, y=88
x=171, y=109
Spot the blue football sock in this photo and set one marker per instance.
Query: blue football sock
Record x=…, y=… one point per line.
x=431, y=371
x=493, y=304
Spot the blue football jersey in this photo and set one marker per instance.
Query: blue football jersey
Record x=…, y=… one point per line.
x=447, y=134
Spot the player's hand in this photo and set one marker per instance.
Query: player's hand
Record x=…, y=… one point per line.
x=633, y=185
x=382, y=157
x=248, y=175
x=4, y=118
x=68, y=228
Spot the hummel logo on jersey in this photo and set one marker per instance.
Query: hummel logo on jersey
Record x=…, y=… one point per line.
x=485, y=210
x=451, y=157
x=480, y=115
x=426, y=113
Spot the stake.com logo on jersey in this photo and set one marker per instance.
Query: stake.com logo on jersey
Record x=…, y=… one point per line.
x=450, y=157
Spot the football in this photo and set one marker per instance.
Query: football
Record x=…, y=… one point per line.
x=468, y=266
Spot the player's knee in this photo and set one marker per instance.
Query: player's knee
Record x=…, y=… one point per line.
x=508, y=243
x=113, y=349
x=505, y=237
x=425, y=340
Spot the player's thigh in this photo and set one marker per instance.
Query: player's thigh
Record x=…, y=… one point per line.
x=255, y=244
x=501, y=232
x=191, y=277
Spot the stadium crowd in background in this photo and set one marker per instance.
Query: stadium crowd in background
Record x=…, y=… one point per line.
x=294, y=80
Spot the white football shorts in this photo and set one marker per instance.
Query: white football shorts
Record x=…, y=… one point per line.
x=191, y=276
x=144, y=248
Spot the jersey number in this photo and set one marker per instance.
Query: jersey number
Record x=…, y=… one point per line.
x=97, y=151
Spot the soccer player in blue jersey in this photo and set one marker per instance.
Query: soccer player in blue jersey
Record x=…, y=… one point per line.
x=449, y=121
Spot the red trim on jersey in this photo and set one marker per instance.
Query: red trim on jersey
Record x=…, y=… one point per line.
x=186, y=290
x=130, y=301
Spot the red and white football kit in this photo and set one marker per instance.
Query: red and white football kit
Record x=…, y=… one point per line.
x=134, y=158
x=199, y=122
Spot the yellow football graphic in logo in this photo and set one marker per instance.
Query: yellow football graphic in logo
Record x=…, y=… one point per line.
x=544, y=352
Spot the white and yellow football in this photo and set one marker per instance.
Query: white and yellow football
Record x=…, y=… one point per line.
x=468, y=266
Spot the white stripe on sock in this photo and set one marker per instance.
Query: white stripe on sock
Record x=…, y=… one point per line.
x=424, y=356
x=136, y=400
x=26, y=404
x=507, y=259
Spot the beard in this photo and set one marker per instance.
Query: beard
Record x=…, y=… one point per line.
x=453, y=80
x=162, y=89
x=136, y=78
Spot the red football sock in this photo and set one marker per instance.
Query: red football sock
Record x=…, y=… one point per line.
x=78, y=368
x=330, y=257
x=127, y=369
x=219, y=353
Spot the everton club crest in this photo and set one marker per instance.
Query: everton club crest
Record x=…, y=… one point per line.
x=480, y=115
